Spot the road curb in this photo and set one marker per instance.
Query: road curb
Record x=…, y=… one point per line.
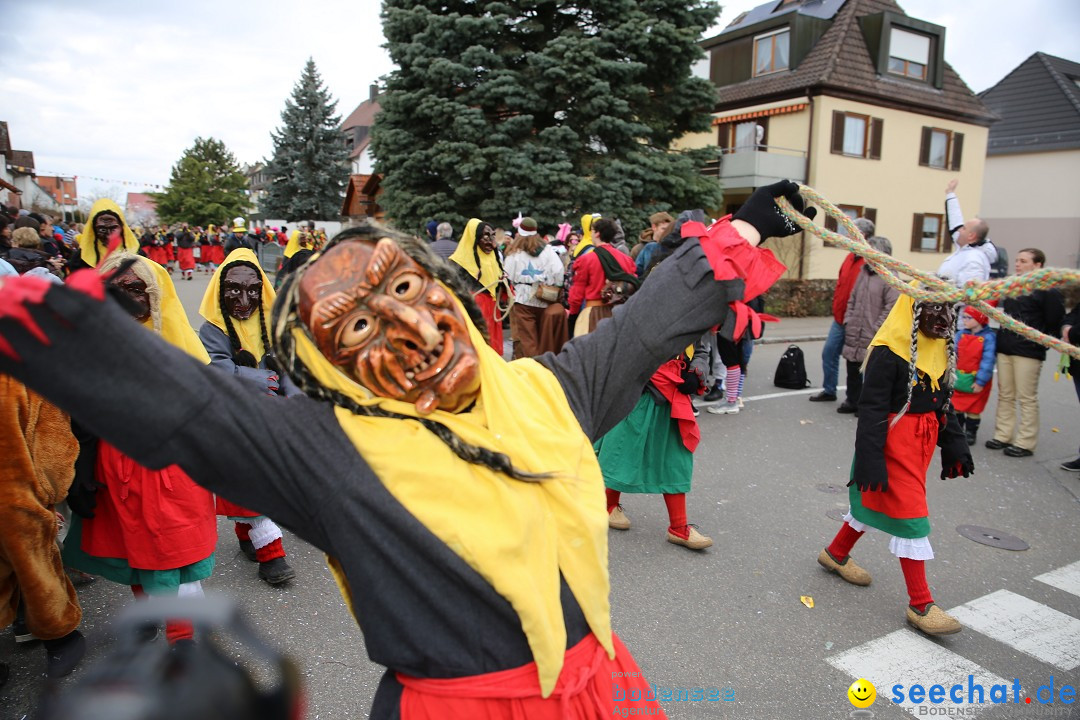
x=790, y=339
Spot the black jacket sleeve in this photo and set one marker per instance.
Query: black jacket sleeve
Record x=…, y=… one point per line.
x=160, y=406
x=883, y=371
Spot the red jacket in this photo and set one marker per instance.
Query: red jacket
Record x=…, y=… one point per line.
x=589, y=276
x=849, y=273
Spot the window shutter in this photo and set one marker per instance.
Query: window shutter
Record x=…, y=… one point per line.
x=924, y=148
x=830, y=223
x=838, y=132
x=871, y=215
x=957, y=150
x=916, y=233
x=876, y=125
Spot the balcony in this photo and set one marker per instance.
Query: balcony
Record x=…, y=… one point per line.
x=746, y=168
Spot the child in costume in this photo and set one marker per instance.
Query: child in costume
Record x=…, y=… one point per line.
x=457, y=495
x=904, y=411
x=976, y=352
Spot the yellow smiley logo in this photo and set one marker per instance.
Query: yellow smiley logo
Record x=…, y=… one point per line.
x=862, y=693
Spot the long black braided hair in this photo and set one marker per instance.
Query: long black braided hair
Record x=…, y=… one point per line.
x=243, y=358
x=286, y=318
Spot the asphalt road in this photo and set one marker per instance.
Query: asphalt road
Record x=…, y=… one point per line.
x=730, y=617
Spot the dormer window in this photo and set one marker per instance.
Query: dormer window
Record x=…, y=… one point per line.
x=909, y=54
x=771, y=52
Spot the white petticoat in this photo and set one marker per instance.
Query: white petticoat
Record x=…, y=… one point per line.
x=911, y=548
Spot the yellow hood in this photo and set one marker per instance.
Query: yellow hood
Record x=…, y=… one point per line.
x=92, y=249
x=249, y=332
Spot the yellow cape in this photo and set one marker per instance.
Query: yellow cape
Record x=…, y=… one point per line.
x=249, y=332
x=488, y=272
x=167, y=315
x=586, y=234
x=518, y=535
x=895, y=334
x=91, y=250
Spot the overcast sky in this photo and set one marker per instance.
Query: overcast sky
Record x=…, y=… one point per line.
x=118, y=89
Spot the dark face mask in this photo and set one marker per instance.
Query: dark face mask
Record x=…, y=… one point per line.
x=134, y=288
x=937, y=320
x=242, y=291
x=386, y=323
x=105, y=226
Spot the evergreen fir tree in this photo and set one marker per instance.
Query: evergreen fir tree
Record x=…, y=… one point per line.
x=547, y=107
x=206, y=186
x=309, y=167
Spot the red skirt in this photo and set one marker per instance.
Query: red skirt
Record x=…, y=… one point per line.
x=153, y=519
x=972, y=402
x=158, y=254
x=186, y=258
x=214, y=254
x=590, y=686
x=486, y=303
x=909, y=448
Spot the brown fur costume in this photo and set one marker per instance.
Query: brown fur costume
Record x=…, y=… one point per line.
x=39, y=463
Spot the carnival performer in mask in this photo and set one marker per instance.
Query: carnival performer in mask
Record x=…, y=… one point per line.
x=152, y=529
x=236, y=307
x=456, y=494
x=904, y=411
x=105, y=224
x=479, y=261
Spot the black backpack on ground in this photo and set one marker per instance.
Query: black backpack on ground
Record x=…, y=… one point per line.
x=791, y=370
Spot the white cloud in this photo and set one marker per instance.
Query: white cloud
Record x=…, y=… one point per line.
x=120, y=88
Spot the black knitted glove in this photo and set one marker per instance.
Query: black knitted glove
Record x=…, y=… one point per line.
x=692, y=382
x=761, y=210
x=965, y=467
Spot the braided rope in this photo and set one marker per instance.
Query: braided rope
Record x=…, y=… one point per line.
x=937, y=289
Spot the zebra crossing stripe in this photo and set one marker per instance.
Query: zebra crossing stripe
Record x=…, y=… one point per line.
x=1031, y=627
x=906, y=658
x=1065, y=578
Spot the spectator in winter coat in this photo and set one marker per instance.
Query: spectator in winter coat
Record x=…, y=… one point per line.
x=834, y=343
x=1020, y=362
x=870, y=302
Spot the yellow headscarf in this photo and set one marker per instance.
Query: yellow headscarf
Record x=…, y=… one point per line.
x=895, y=334
x=487, y=273
x=249, y=331
x=167, y=315
x=586, y=234
x=294, y=245
x=518, y=535
x=91, y=249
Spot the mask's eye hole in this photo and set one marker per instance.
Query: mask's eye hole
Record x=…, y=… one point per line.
x=406, y=287
x=357, y=330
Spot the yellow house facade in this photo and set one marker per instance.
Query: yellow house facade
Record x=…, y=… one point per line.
x=877, y=143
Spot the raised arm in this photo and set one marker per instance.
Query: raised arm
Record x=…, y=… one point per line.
x=161, y=406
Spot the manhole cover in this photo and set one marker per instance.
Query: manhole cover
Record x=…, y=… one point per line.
x=837, y=514
x=992, y=537
x=830, y=488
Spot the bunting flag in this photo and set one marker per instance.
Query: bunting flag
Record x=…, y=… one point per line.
x=114, y=181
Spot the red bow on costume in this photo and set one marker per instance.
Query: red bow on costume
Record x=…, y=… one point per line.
x=747, y=317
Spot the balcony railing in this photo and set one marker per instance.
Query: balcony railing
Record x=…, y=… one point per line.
x=754, y=166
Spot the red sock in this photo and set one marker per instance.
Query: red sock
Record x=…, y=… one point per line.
x=242, y=530
x=915, y=578
x=612, y=499
x=676, y=511
x=269, y=552
x=178, y=630
x=843, y=542
x=138, y=592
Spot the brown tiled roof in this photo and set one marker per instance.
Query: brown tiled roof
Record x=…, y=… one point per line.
x=840, y=63
x=21, y=158
x=362, y=116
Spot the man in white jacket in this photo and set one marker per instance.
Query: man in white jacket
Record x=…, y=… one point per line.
x=974, y=251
